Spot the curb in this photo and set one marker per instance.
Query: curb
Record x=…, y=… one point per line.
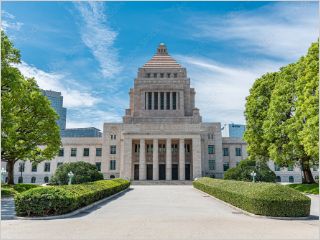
x=252, y=214
x=75, y=212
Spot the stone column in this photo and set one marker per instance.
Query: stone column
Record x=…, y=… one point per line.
x=171, y=101
x=155, y=163
x=165, y=101
x=152, y=100
x=142, y=161
x=182, y=163
x=168, y=160
x=196, y=157
x=126, y=158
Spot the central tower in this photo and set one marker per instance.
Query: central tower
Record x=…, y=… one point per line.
x=162, y=93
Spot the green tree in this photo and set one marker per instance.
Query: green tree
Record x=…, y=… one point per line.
x=245, y=167
x=257, y=105
x=29, y=130
x=83, y=172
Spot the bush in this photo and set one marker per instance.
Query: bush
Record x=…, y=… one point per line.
x=11, y=190
x=56, y=200
x=245, y=167
x=268, y=199
x=83, y=172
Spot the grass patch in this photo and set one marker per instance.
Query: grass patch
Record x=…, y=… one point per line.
x=267, y=199
x=306, y=188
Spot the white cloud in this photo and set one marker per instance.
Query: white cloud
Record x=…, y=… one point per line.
x=280, y=30
x=221, y=90
x=73, y=96
x=8, y=22
x=99, y=37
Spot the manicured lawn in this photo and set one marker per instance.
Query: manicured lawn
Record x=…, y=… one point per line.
x=306, y=188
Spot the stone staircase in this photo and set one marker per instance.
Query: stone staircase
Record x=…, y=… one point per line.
x=161, y=182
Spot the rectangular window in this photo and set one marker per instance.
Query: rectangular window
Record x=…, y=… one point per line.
x=161, y=100
x=149, y=100
x=290, y=168
x=73, y=152
x=187, y=148
x=212, y=164
x=113, y=149
x=98, y=166
x=211, y=149
x=155, y=100
x=86, y=152
x=276, y=167
x=238, y=151
x=47, y=167
x=148, y=75
x=161, y=75
x=61, y=152
x=149, y=148
x=59, y=164
x=21, y=167
x=168, y=101
x=112, y=164
x=137, y=148
x=174, y=100
x=98, y=152
x=168, y=75
x=175, y=75
x=225, y=151
x=34, y=167
x=225, y=166
x=174, y=148
x=155, y=75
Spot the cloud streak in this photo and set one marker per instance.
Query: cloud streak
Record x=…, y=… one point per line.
x=279, y=30
x=8, y=22
x=99, y=37
x=73, y=96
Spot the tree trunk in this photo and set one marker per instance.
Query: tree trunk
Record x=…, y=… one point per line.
x=307, y=175
x=10, y=169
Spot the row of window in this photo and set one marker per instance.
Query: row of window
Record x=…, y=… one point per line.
x=47, y=165
x=162, y=148
x=161, y=100
x=161, y=75
x=291, y=167
x=86, y=152
x=238, y=152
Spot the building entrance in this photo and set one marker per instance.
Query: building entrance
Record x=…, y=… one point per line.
x=187, y=172
x=136, y=172
x=162, y=172
x=174, y=171
x=149, y=172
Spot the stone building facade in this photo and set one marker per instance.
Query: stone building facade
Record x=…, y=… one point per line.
x=162, y=136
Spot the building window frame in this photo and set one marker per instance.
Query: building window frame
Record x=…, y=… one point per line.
x=98, y=166
x=86, y=152
x=98, y=152
x=61, y=152
x=212, y=164
x=112, y=165
x=46, y=167
x=238, y=152
x=113, y=149
x=73, y=152
x=211, y=149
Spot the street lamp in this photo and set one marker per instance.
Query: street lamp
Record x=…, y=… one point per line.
x=70, y=175
x=3, y=172
x=253, y=175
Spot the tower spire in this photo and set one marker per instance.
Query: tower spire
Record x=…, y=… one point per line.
x=162, y=49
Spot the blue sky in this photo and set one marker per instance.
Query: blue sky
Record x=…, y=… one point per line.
x=90, y=51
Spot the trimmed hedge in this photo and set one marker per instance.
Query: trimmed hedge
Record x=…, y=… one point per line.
x=11, y=190
x=267, y=199
x=57, y=200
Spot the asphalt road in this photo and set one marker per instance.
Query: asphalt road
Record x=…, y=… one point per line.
x=162, y=212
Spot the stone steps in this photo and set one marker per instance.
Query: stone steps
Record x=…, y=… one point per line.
x=160, y=182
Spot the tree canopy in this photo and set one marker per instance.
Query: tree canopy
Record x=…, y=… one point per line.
x=29, y=129
x=282, y=115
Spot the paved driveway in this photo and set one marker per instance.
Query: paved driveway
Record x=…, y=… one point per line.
x=160, y=212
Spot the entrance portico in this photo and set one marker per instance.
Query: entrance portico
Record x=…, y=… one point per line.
x=161, y=157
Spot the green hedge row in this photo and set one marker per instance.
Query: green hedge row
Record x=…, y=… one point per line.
x=56, y=200
x=268, y=199
x=11, y=190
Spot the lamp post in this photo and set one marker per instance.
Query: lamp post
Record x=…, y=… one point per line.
x=70, y=175
x=3, y=172
x=253, y=175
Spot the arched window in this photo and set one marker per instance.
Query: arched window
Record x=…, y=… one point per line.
x=278, y=179
x=112, y=176
x=33, y=179
x=46, y=179
x=291, y=179
x=20, y=180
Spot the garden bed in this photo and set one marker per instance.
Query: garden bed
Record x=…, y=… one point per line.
x=267, y=199
x=57, y=200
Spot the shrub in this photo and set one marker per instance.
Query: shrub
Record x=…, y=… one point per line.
x=11, y=190
x=268, y=199
x=245, y=167
x=56, y=200
x=83, y=172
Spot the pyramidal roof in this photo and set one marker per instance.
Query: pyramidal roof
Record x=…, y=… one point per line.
x=162, y=59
